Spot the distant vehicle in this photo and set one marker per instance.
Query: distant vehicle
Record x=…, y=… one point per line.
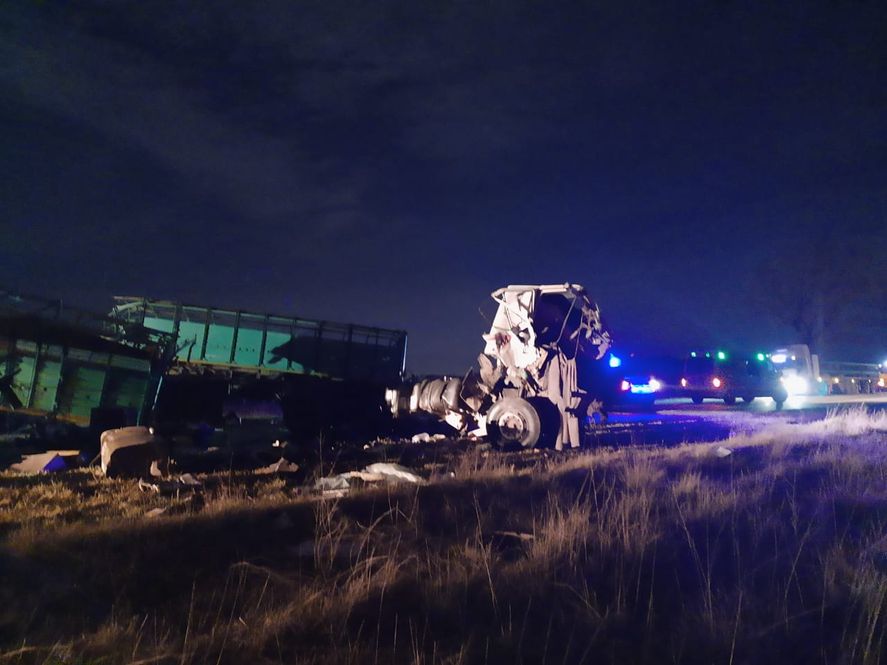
x=803, y=373
x=728, y=376
x=641, y=380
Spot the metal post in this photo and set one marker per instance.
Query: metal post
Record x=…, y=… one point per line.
x=105, y=381
x=289, y=356
x=234, y=341
x=209, y=314
x=30, y=403
x=264, y=340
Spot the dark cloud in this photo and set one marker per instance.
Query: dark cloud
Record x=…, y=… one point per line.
x=349, y=160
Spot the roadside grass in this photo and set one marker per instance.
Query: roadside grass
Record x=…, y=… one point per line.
x=776, y=552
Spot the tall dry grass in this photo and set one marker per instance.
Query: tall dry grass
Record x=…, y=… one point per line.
x=775, y=553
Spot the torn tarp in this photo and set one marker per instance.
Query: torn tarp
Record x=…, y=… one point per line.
x=48, y=462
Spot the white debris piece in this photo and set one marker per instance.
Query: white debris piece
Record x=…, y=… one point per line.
x=332, y=483
x=720, y=451
x=394, y=472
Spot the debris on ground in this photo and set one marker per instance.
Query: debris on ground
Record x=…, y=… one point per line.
x=722, y=452
x=131, y=451
x=332, y=483
x=394, y=472
x=49, y=462
x=169, y=487
x=22, y=435
x=425, y=437
x=280, y=466
x=191, y=504
x=374, y=473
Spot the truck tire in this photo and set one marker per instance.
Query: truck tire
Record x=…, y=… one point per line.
x=779, y=396
x=748, y=399
x=697, y=399
x=513, y=422
x=729, y=399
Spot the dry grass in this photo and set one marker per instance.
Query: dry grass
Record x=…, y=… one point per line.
x=775, y=553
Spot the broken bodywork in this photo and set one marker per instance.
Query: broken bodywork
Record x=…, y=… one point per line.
x=538, y=378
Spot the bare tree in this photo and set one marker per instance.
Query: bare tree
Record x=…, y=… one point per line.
x=815, y=285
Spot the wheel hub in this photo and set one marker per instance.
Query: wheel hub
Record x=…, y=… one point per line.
x=512, y=426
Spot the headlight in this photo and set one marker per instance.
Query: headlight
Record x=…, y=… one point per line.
x=796, y=385
x=716, y=382
x=683, y=383
x=655, y=385
x=625, y=385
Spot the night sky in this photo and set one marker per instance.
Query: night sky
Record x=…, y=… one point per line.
x=392, y=163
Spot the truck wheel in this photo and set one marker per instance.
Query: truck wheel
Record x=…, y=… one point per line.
x=748, y=399
x=779, y=396
x=513, y=421
x=697, y=399
x=729, y=399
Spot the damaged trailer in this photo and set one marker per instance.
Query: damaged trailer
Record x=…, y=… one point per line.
x=229, y=364
x=75, y=366
x=539, y=380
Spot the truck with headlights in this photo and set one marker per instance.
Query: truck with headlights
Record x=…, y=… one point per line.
x=804, y=373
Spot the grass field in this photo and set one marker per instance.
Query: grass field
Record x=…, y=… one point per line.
x=774, y=553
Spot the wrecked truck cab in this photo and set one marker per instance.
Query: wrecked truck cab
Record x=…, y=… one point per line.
x=538, y=378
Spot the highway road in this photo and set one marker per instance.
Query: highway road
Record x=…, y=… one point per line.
x=676, y=421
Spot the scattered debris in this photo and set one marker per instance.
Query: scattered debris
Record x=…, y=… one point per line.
x=374, y=473
x=169, y=487
x=22, y=435
x=722, y=452
x=425, y=437
x=394, y=472
x=328, y=483
x=131, y=451
x=48, y=462
x=280, y=466
x=193, y=503
x=511, y=545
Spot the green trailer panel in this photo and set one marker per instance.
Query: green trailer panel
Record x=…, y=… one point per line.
x=249, y=341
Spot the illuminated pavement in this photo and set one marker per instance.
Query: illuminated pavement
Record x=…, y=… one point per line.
x=676, y=421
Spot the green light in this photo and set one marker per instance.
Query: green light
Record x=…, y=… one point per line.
x=722, y=355
x=760, y=357
x=692, y=354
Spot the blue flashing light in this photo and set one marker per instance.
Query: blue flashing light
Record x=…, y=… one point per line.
x=692, y=354
x=722, y=355
x=760, y=357
x=615, y=361
x=708, y=355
